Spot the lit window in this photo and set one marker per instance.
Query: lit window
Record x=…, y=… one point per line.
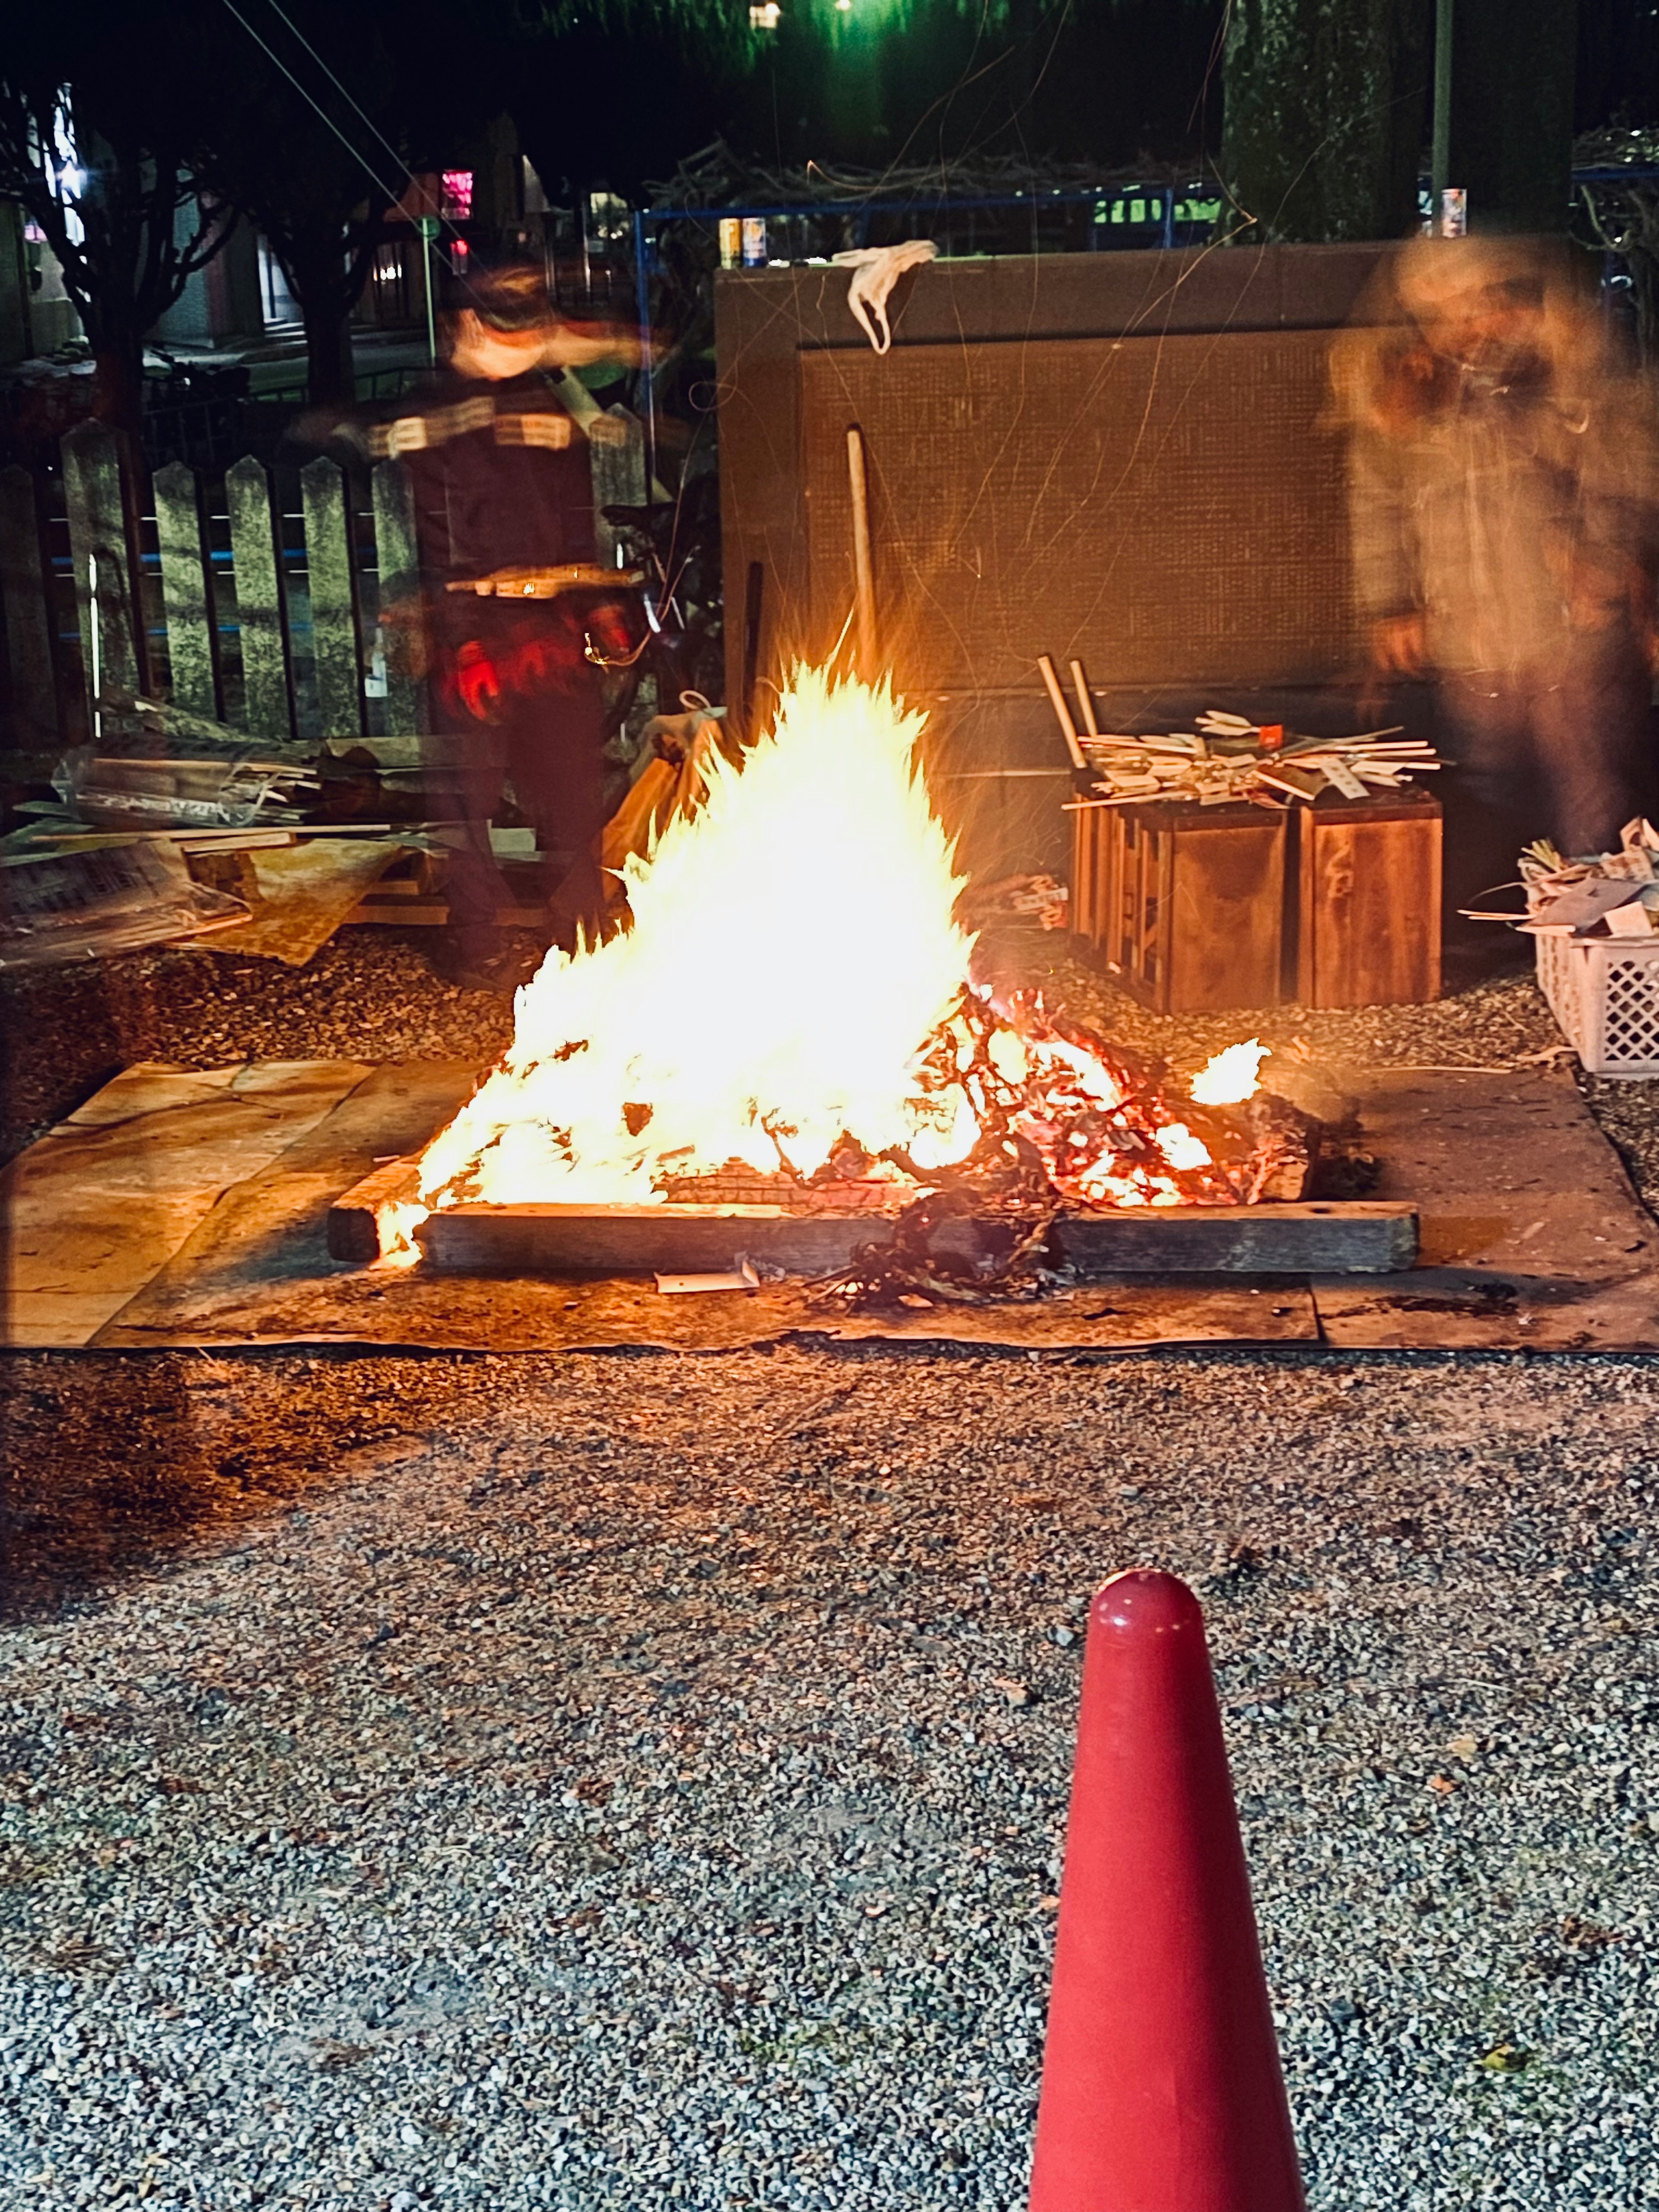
x=765, y=18
x=457, y=204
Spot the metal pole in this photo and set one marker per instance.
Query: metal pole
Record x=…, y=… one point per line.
x=1440, y=169
x=429, y=232
x=648, y=388
x=93, y=641
x=864, y=590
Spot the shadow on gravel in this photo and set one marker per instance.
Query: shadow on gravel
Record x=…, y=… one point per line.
x=112, y=1462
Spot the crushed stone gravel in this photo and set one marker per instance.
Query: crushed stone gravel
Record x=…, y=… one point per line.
x=612, y=1781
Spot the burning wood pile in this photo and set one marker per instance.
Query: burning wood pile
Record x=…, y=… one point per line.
x=790, y=1026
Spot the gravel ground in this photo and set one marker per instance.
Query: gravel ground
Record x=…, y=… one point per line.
x=609, y=1782
x=601, y=1781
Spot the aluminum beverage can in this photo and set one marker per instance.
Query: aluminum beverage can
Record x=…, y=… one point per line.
x=731, y=240
x=754, y=241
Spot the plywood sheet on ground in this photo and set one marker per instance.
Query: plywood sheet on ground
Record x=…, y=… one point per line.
x=1533, y=1235
x=366, y=1305
x=93, y=1211
x=300, y=894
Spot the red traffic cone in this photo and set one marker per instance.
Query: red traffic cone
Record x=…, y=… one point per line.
x=1161, y=2084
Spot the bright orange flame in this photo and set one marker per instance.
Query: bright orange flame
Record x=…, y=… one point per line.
x=793, y=960
x=792, y=950
x=1231, y=1075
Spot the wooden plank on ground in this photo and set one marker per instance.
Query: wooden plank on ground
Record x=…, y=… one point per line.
x=336, y=640
x=31, y=654
x=261, y=608
x=568, y=1240
x=263, y=1246
x=96, y=1208
x=1361, y=1237
x=187, y=591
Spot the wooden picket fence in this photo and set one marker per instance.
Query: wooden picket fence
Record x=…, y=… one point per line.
x=271, y=633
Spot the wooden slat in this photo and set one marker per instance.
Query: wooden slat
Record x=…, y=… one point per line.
x=361, y=1221
x=628, y=1240
x=187, y=591
x=336, y=640
x=97, y=529
x=398, y=562
x=30, y=658
x=1362, y=1237
x=267, y=686
x=1329, y=1238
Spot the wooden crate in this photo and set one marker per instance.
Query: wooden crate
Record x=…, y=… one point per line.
x=1183, y=905
x=1367, y=900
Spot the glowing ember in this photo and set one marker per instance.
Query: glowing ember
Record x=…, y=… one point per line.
x=793, y=995
x=1231, y=1077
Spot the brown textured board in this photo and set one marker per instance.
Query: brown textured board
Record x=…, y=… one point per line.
x=264, y=1247
x=622, y=1240
x=100, y=1204
x=1368, y=885
x=1531, y=1233
x=1169, y=507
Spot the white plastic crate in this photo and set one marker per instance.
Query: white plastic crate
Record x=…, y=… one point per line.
x=1604, y=992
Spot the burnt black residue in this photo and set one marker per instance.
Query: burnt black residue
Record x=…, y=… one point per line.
x=1480, y=1299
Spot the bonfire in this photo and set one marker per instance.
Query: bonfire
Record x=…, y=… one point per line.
x=794, y=1013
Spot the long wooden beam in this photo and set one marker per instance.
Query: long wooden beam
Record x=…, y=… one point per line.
x=1325, y=1238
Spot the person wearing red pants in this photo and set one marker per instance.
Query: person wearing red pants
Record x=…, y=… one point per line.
x=518, y=619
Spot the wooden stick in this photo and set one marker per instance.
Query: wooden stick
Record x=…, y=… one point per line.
x=864, y=590
x=1085, y=699
x=1062, y=712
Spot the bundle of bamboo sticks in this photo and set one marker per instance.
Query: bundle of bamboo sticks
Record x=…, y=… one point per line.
x=1225, y=758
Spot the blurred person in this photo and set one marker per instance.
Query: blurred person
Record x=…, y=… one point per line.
x=518, y=620
x=1503, y=497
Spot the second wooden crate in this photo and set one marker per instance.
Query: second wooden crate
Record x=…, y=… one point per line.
x=1183, y=905
x=1368, y=901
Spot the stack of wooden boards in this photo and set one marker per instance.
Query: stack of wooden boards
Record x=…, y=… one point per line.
x=1225, y=759
x=1200, y=885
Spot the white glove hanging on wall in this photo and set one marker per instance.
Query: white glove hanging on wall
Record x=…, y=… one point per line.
x=876, y=269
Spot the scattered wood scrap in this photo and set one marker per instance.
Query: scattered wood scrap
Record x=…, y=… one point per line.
x=1226, y=758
